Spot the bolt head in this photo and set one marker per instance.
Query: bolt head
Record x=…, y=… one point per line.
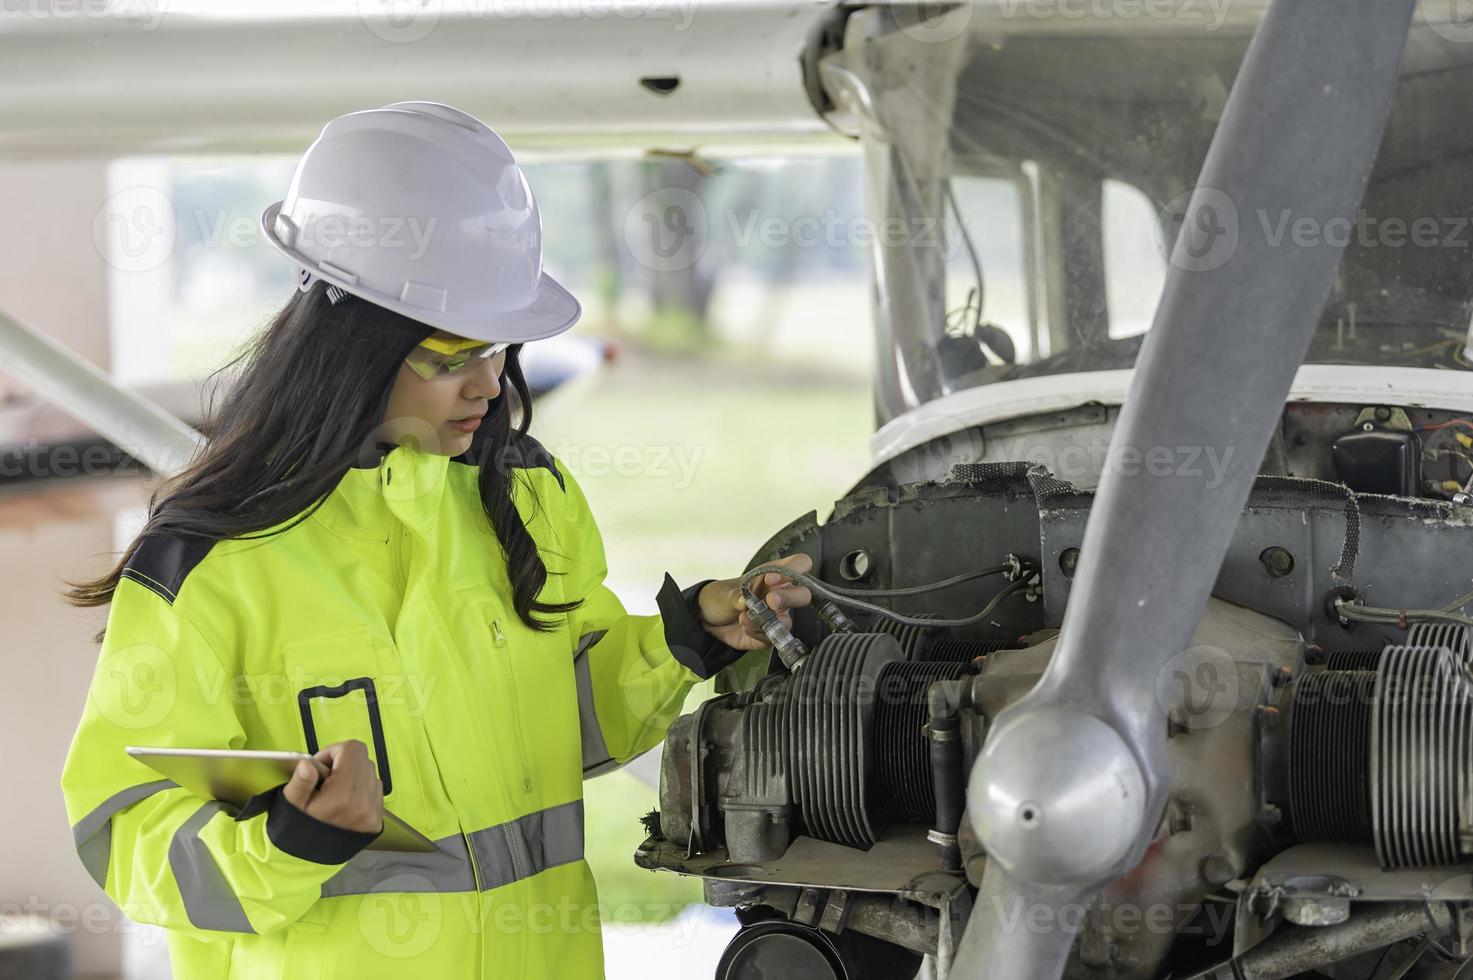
x=1218, y=869
x=1069, y=562
x=1277, y=561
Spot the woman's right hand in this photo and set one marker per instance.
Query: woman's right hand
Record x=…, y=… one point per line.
x=351, y=796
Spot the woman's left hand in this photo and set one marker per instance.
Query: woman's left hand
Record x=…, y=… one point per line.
x=724, y=614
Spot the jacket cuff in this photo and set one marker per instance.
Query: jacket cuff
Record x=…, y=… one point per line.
x=304, y=836
x=692, y=646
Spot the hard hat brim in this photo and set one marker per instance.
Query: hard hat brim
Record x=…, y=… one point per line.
x=552, y=311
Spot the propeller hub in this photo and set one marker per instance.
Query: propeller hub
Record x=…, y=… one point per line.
x=1056, y=797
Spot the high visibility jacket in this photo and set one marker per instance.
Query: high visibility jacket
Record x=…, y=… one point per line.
x=485, y=729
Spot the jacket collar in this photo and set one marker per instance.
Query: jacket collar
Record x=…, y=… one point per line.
x=404, y=484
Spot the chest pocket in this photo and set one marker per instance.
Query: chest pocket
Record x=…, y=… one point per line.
x=339, y=698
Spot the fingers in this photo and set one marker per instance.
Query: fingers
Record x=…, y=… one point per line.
x=376, y=805
x=799, y=562
x=750, y=628
x=352, y=795
x=322, y=766
x=298, y=790
x=359, y=770
x=778, y=591
x=350, y=767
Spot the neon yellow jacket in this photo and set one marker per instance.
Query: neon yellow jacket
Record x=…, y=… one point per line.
x=486, y=730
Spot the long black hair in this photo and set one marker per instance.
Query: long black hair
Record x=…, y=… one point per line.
x=307, y=401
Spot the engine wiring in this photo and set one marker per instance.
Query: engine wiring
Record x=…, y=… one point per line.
x=1352, y=611
x=1356, y=612
x=1013, y=567
x=1451, y=431
x=791, y=650
x=1434, y=455
x=1459, y=602
x=850, y=597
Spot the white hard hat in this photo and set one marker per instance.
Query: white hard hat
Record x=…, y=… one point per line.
x=421, y=209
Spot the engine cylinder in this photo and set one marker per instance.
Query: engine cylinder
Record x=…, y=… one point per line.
x=1353, y=659
x=1385, y=756
x=831, y=751
x=907, y=784
x=1329, y=756
x=1422, y=739
x=935, y=642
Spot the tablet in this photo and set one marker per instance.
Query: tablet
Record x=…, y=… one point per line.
x=236, y=775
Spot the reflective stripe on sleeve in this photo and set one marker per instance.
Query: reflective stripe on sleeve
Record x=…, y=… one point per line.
x=93, y=834
x=596, y=758
x=208, y=899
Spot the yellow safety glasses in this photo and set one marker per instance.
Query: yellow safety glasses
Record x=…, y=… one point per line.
x=436, y=358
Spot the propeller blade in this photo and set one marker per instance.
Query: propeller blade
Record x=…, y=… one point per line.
x=1073, y=778
x=1014, y=930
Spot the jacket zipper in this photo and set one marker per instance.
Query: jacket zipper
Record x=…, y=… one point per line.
x=398, y=558
x=503, y=655
x=470, y=848
x=397, y=555
x=514, y=843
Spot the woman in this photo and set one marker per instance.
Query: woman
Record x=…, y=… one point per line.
x=373, y=562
